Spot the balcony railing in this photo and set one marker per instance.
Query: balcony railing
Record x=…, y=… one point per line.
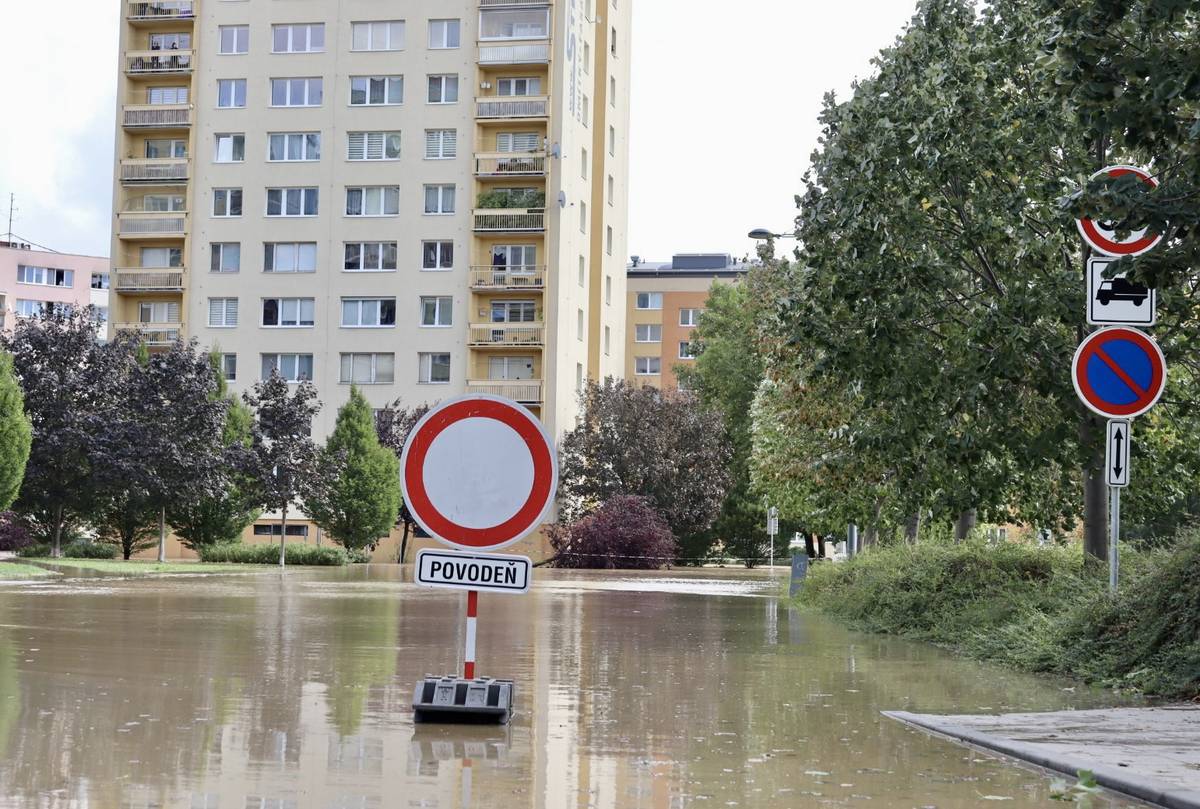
x=154, y=170
x=512, y=107
x=523, y=277
x=151, y=223
x=154, y=334
x=510, y=220
x=497, y=3
x=148, y=10
x=510, y=164
x=147, y=116
x=524, y=391
x=157, y=63
x=507, y=334
x=143, y=280
x=535, y=53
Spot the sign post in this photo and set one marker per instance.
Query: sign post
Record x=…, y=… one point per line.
x=772, y=531
x=478, y=473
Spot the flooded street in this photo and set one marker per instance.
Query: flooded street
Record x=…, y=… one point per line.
x=634, y=690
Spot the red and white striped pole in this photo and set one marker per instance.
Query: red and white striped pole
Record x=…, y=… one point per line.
x=472, y=614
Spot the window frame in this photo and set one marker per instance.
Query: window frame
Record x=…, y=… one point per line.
x=439, y=255
x=289, y=83
x=225, y=311
x=233, y=147
x=361, y=306
x=387, y=79
x=439, y=303
x=650, y=298
x=272, y=249
x=244, y=40
x=305, y=192
x=363, y=252
x=650, y=327
x=382, y=193
x=446, y=28
x=443, y=82
x=371, y=28
x=234, y=85
x=228, y=195
x=217, y=255
x=374, y=355
x=386, y=139
x=440, y=189
x=648, y=363
x=279, y=302
x=424, y=359
x=298, y=357
x=291, y=36
x=306, y=140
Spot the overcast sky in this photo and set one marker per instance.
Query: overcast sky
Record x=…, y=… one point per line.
x=725, y=103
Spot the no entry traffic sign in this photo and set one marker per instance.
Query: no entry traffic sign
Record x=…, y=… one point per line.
x=1104, y=239
x=1119, y=372
x=479, y=472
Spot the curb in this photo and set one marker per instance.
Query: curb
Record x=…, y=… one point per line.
x=1111, y=778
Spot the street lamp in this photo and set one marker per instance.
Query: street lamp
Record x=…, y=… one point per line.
x=762, y=234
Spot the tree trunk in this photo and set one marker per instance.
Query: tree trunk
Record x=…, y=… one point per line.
x=283, y=536
x=965, y=525
x=404, y=543
x=810, y=548
x=872, y=535
x=162, y=535
x=912, y=531
x=127, y=540
x=56, y=552
x=1095, y=497
x=820, y=546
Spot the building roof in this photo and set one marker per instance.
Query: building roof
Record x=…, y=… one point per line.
x=693, y=265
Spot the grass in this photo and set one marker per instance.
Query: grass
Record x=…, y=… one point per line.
x=1035, y=609
x=139, y=567
x=17, y=571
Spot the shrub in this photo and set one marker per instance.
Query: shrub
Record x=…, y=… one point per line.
x=39, y=551
x=14, y=534
x=624, y=533
x=268, y=554
x=359, y=556
x=86, y=549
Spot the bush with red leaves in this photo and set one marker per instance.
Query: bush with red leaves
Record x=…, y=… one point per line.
x=14, y=535
x=625, y=533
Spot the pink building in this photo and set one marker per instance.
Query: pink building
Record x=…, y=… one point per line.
x=31, y=278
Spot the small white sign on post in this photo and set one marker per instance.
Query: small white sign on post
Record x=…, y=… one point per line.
x=1117, y=300
x=1116, y=455
x=493, y=572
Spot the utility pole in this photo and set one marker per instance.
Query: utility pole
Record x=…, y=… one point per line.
x=11, y=200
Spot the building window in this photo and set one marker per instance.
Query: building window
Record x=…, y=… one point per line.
x=443, y=89
x=157, y=312
x=233, y=38
x=612, y=91
x=649, y=300
x=441, y=144
x=518, y=142
x=437, y=311
x=231, y=148
x=519, y=87
x=290, y=257
x=437, y=255
x=291, y=202
x=368, y=312
x=611, y=186
x=612, y=42
x=647, y=366
x=368, y=369
x=583, y=163
x=287, y=147
x=444, y=34
x=27, y=308
x=373, y=200
x=439, y=199
x=45, y=276
x=385, y=35
x=226, y=257
x=288, y=312
x=612, y=140
x=167, y=95
x=370, y=256
x=587, y=56
x=434, y=369
x=161, y=257
x=99, y=281
x=607, y=340
x=297, y=92
x=689, y=317
x=582, y=271
x=165, y=148
x=579, y=377
x=292, y=367
x=222, y=312
x=298, y=38
x=583, y=221
x=373, y=146
x=579, y=328
x=608, y=290
x=608, y=240
x=227, y=202
x=514, y=312
x=229, y=367
x=519, y=258
x=231, y=93
x=685, y=350
x=276, y=529
x=532, y=23
x=374, y=91
x=162, y=202
x=647, y=333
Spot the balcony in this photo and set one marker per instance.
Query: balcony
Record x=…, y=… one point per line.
x=130, y=281
x=169, y=171
x=158, y=63
x=151, y=224
x=506, y=335
x=144, y=11
x=512, y=107
x=513, y=3
x=532, y=278
x=524, y=391
x=534, y=53
x=157, y=116
x=510, y=164
x=154, y=334
x=510, y=220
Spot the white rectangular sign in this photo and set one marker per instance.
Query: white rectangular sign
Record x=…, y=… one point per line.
x=1116, y=456
x=1118, y=301
x=493, y=572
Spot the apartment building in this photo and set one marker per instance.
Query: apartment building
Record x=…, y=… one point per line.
x=665, y=300
x=32, y=278
x=424, y=198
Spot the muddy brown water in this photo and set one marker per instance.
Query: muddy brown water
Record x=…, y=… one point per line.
x=636, y=691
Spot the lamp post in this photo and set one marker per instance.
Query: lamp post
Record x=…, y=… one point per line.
x=766, y=250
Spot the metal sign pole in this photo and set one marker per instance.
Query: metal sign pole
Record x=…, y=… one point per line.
x=472, y=614
x=1114, y=560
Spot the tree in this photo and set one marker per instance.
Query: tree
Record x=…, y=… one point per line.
x=16, y=434
x=284, y=460
x=360, y=505
x=625, y=532
x=392, y=426
x=70, y=389
x=660, y=445
x=223, y=515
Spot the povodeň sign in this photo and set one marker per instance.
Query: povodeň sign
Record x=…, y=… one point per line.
x=1119, y=372
x=479, y=472
x=1103, y=239
x=492, y=572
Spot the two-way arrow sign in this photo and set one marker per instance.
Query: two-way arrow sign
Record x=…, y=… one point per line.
x=1116, y=456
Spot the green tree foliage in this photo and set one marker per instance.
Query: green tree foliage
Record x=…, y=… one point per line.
x=392, y=426
x=361, y=504
x=16, y=434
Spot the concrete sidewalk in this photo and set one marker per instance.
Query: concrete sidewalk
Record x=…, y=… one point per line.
x=1148, y=753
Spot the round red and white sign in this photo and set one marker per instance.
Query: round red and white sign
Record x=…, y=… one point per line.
x=479, y=472
x=1103, y=239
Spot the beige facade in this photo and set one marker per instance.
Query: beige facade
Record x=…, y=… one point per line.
x=363, y=191
x=662, y=309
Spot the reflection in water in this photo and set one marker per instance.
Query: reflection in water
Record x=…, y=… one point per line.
x=635, y=691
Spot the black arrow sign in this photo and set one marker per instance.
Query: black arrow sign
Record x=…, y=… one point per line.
x=1119, y=440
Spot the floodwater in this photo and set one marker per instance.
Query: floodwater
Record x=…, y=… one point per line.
x=635, y=691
